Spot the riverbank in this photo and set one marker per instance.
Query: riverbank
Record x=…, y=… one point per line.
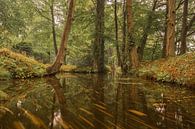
x=15, y=65
x=179, y=70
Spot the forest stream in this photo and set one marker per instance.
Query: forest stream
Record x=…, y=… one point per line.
x=87, y=101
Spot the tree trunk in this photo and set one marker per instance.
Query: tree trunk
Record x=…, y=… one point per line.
x=189, y=26
x=63, y=46
x=99, y=39
x=134, y=57
x=124, y=45
x=53, y=28
x=170, y=46
x=131, y=49
x=184, y=28
x=146, y=31
x=116, y=33
x=165, y=35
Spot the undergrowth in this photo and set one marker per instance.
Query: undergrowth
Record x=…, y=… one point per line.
x=180, y=70
x=19, y=66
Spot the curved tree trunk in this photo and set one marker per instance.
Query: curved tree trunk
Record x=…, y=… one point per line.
x=63, y=46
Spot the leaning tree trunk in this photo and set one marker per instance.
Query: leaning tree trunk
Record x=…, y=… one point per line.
x=99, y=39
x=170, y=46
x=63, y=46
x=184, y=28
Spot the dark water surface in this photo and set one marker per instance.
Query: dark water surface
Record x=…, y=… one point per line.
x=76, y=101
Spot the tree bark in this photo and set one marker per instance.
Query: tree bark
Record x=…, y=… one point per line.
x=165, y=35
x=134, y=57
x=53, y=28
x=131, y=49
x=184, y=28
x=63, y=46
x=124, y=45
x=146, y=31
x=170, y=46
x=99, y=39
x=116, y=33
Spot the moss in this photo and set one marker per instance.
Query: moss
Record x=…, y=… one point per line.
x=77, y=69
x=3, y=95
x=4, y=74
x=19, y=66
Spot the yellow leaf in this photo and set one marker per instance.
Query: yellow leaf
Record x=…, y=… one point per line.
x=86, y=111
x=137, y=112
x=100, y=106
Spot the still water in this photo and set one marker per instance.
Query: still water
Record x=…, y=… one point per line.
x=78, y=101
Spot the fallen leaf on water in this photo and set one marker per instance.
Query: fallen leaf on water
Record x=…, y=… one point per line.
x=108, y=114
x=100, y=106
x=86, y=111
x=137, y=112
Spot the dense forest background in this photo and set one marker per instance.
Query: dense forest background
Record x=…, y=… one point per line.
x=34, y=28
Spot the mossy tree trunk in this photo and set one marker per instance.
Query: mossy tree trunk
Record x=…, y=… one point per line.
x=63, y=46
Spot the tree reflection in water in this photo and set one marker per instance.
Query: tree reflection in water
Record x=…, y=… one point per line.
x=58, y=116
x=95, y=101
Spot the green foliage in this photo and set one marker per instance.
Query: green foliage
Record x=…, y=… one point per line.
x=3, y=95
x=4, y=74
x=20, y=66
x=23, y=47
x=41, y=56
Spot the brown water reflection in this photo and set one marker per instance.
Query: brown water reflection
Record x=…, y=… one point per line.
x=95, y=101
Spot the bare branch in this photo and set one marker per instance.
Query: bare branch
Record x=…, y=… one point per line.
x=180, y=3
